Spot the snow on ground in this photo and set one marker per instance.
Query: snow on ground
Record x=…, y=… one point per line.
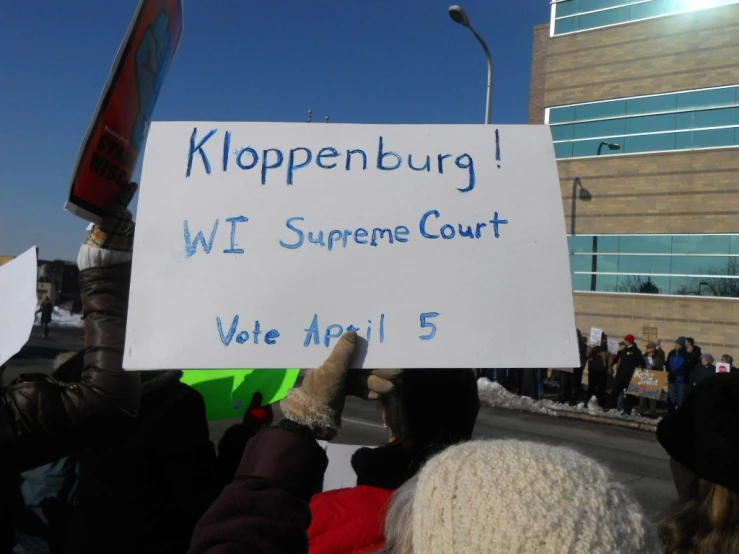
x=62, y=318
x=496, y=396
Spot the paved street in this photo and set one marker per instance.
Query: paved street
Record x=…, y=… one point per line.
x=636, y=456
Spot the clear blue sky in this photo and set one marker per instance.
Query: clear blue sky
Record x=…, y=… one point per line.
x=371, y=61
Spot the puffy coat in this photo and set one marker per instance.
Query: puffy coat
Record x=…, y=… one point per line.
x=352, y=520
x=39, y=414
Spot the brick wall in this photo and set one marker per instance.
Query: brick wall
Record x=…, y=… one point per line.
x=538, y=74
x=713, y=322
x=693, y=50
x=675, y=192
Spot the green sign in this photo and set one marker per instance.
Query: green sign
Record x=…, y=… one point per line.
x=228, y=392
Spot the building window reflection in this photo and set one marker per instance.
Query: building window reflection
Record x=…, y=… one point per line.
x=685, y=265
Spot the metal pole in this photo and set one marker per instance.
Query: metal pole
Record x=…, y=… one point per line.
x=489, y=100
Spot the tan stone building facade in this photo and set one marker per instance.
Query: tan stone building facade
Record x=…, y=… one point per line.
x=643, y=103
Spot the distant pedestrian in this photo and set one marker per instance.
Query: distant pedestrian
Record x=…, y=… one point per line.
x=630, y=358
x=678, y=377
x=46, y=309
x=570, y=383
x=600, y=365
x=706, y=369
x=654, y=359
x=729, y=359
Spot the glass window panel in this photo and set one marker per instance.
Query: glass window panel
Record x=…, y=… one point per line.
x=711, y=286
x=700, y=265
x=608, y=243
x=700, y=244
x=569, y=25
x=561, y=115
x=648, y=9
x=734, y=244
x=584, y=148
x=645, y=244
x=563, y=150
x=644, y=264
x=652, y=104
x=601, y=19
x=606, y=283
x=605, y=264
x=684, y=140
x=609, y=127
x=736, y=136
x=599, y=110
x=649, y=124
x=713, y=138
x=579, y=262
x=685, y=120
x=635, y=284
x=581, y=282
x=562, y=132
x=714, y=118
x=571, y=7
x=592, y=5
x=649, y=143
x=707, y=98
x=579, y=243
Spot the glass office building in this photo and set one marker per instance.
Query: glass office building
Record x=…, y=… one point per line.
x=642, y=98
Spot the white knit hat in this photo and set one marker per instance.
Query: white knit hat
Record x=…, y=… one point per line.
x=510, y=496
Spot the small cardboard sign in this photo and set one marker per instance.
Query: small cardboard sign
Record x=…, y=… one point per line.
x=647, y=383
x=259, y=244
x=723, y=367
x=612, y=347
x=596, y=336
x=111, y=147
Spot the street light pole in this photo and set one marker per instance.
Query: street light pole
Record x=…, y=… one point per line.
x=458, y=15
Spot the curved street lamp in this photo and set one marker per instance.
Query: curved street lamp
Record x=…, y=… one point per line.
x=460, y=16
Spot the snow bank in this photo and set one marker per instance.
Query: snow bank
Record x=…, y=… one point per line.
x=62, y=318
x=496, y=396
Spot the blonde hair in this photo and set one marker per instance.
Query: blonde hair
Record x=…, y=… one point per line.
x=399, y=519
x=705, y=524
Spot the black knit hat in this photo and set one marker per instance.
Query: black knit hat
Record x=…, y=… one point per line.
x=703, y=435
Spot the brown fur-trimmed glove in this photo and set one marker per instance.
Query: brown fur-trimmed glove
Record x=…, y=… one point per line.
x=371, y=384
x=318, y=402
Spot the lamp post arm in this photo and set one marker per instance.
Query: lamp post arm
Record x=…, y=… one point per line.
x=489, y=99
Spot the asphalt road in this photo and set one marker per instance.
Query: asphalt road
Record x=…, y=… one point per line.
x=635, y=456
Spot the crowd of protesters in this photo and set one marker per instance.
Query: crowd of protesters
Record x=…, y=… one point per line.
x=609, y=374
x=146, y=477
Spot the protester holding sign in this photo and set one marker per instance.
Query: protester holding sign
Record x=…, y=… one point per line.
x=428, y=410
x=266, y=508
x=654, y=359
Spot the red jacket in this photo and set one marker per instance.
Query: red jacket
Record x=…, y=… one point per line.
x=349, y=521
x=352, y=521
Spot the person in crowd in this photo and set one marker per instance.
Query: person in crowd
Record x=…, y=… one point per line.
x=544, y=499
x=729, y=359
x=701, y=439
x=694, y=354
x=46, y=309
x=678, y=376
x=143, y=483
x=705, y=369
x=570, y=384
x=428, y=410
x=654, y=359
x=41, y=418
x=600, y=365
x=629, y=359
x=232, y=444
x=266, y=507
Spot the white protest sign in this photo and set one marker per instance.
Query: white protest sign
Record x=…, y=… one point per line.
x=258, y=244
x=596, y=336
x=723, y=367
x=17, y=303
x=612, y=347
x=340, y=474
